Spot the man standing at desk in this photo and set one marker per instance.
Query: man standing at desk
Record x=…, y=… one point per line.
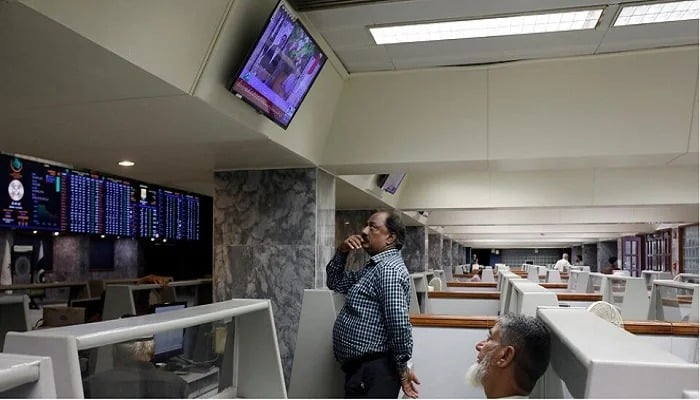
x=372, y=335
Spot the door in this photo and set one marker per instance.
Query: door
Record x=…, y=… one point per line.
x=632, y=254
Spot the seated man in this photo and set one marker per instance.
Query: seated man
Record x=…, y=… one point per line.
x=511, y=358
x=612, y=266
x=134, y=376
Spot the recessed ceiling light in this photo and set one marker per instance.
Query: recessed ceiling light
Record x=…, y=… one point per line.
x=126, y=163
x=34, y=232
x=657, y=12
x=488, y=27
x=55, y=234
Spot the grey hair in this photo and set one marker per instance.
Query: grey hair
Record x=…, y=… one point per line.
x=127, y=352
x=531, y=340
x=394, y=225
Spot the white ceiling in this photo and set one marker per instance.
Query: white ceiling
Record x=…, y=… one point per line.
x=65, y=98
x=346, y=31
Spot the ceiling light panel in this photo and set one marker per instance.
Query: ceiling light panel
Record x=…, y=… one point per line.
x=658, y=12
x=488, y=27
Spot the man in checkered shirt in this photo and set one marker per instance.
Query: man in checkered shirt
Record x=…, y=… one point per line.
x=372, y=335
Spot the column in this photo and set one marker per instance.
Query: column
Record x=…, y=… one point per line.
x=447, y=252
x=606, y=250
x=414, y=251
x=272, y=231
x=590, y=256
x=435, y=251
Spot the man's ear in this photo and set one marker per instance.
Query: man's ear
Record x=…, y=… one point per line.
x=505, y=356
x=391, y=239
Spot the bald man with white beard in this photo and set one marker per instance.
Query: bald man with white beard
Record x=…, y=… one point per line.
x=512, y=358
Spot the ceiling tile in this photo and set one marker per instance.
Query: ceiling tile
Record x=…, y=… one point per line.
x=648, y=36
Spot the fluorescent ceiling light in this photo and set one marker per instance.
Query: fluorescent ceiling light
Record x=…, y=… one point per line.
x=126, y=163
x=478, y=28
x=658, y=12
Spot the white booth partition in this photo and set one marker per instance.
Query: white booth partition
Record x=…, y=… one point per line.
x=315, y=372
x=674, y=301
x=650, y=276
x=471, y=286
x=526, y=296
x=463, y=303
x=245, y=342
x=419, y=286
x=689, y=278
x=14, y=315
x=578, y=281
x=628, y=294
x=443, y=349
x=592, y=358
x=134, y=299
x=28, y=377
x=679, y=338
x=595, y=282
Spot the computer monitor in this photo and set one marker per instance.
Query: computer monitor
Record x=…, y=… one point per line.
x=168, y=343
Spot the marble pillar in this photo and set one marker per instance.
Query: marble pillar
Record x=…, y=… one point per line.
x=71, y=258
x=456, y=259
x=414, y=250
x=272, y=229
x=590, y=256
x=447, y=252
x=127, y=254
x=606, y=250
x=435, y=251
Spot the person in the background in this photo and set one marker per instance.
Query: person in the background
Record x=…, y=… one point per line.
x=134, y=376
x=612, y=266
x=579, y=260
x=372, y=336
x=476, y=277
x=512, y=358
x=475, y=264
x=563, y=264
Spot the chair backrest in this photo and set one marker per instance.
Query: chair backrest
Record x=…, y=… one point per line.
x=533, y=275
x=553, y=276
x=487, y=275
x=436, y=283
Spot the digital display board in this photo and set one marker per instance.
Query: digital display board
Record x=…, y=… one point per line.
x=32, y=194
x=38, y=196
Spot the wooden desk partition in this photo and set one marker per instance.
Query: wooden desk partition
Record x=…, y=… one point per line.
x=561, y=296
x=453, y=321
x=550, y=285
x=465, y=295
x=472, y=284
x=635, y=327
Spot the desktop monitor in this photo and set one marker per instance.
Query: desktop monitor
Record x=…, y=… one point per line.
x=280, y=69
x=168, y=343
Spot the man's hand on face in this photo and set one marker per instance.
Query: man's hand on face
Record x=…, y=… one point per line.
x=353, y=242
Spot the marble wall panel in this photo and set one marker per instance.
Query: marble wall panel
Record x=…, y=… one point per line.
x=414, y=251
x=606, y=250
x=435, y=251
x=447, y=252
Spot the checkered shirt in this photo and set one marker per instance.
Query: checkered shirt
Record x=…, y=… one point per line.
x=375, y=316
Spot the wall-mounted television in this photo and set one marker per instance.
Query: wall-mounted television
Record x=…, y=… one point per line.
x=280, y=69
x=390, y=182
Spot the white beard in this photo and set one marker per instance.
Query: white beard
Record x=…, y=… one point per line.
x=477, y=371
x=472, y=375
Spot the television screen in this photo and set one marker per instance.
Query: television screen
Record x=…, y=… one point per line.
x=32, y=194
x=40, y=196
x=392, y=182
x=280, y=69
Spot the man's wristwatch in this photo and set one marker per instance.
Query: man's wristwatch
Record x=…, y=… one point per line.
x=403, y=374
